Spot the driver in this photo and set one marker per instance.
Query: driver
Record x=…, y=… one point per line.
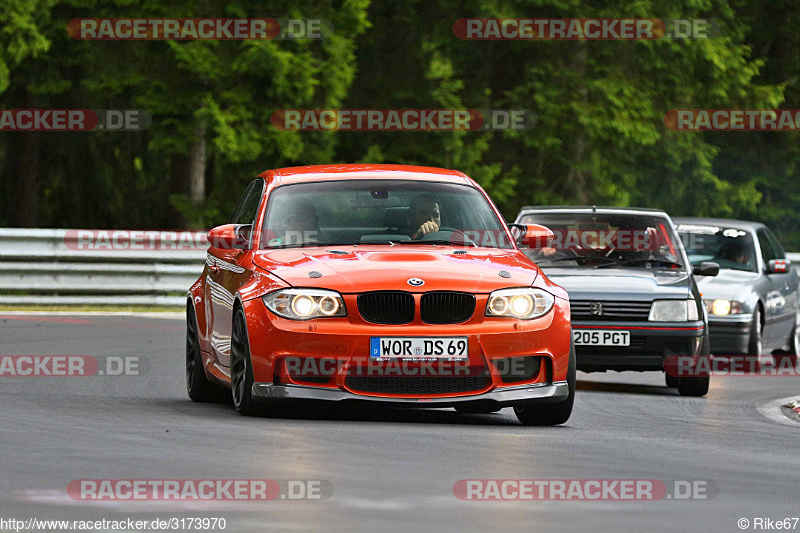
x=300, y=223
x=424, y=216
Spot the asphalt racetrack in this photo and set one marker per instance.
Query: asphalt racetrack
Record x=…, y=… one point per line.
x=389, y=470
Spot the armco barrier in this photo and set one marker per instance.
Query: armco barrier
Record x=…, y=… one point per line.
x=47, y=266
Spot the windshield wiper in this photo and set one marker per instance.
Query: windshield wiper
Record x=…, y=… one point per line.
x=578, y=259
x=439, y=241
x=632, y=262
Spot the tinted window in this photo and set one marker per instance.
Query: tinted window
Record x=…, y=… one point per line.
x=767, y=251
x=245, y=212
x=776, y=245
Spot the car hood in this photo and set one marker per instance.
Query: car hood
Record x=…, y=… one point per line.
x=727, y=284
x=371, y=268
x=621, y=283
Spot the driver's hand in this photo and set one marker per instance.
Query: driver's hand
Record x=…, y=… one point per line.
x=547, y=251
x=428, y=227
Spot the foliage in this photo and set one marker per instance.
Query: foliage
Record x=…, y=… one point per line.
x=600, y=136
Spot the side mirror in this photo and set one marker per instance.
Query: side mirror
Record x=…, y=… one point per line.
x=705, y=269
x=230, y=236
x=532, y=235
x=778, y=266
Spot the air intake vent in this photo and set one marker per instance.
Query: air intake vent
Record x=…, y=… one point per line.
x=447, y=307
x=609, y=310
x=417, y=385
x=386, y=307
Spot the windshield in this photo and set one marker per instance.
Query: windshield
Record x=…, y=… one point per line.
x=390, y=212
x=603, y=240
x=730, y=247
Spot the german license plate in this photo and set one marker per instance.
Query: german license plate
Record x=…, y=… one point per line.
x=601, y=337
x=453, y=347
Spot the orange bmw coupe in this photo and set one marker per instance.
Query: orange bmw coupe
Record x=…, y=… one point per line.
x=394, y=285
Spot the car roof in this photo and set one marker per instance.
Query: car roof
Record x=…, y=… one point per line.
x=313, y=173
x=529, y=209
x=725, y=222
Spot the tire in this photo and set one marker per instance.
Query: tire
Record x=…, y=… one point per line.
x=197, y=385
x=551, y=414
x=696, y=386
x=755, y=346
x=242, y=368
x=477, y=410
x=794, y=338
x=693, y=386
x=672, y=381
x=790, y=356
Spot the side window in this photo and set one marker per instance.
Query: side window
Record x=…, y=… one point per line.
x=245, y=212
x=776, y=245
x=767, y=253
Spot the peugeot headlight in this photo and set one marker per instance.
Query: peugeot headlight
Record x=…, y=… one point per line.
x=305, y=304
x=519, y=303
x=673, y=311
x=722, y=307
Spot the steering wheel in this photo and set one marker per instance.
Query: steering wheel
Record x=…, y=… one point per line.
x=450, y=231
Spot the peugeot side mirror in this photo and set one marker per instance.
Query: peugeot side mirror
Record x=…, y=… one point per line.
x=705, y=269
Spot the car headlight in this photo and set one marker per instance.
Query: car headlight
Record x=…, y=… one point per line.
x=673, y=311
x=305, y=304
x=519, y=303
x=722, y=307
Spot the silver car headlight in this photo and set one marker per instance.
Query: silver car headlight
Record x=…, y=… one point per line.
x=305, y=304
x=673, y=311
x=524, y=304
x=722, y=307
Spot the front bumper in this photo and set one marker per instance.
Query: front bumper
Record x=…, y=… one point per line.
x=499, y=397
x=650, y=345
x=730, y=335
x=274, y=342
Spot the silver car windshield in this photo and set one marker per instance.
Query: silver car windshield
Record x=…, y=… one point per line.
x=382, y=212
x=732, y=248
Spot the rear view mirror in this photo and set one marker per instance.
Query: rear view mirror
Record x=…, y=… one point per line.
x=778, y=266
x=230, y=236
x=705, y=269
x=531, y=235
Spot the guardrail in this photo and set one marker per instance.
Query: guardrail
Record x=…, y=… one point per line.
x=74, y=267
x=68, y=267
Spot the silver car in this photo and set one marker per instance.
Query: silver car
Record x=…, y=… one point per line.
x=753, y=303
